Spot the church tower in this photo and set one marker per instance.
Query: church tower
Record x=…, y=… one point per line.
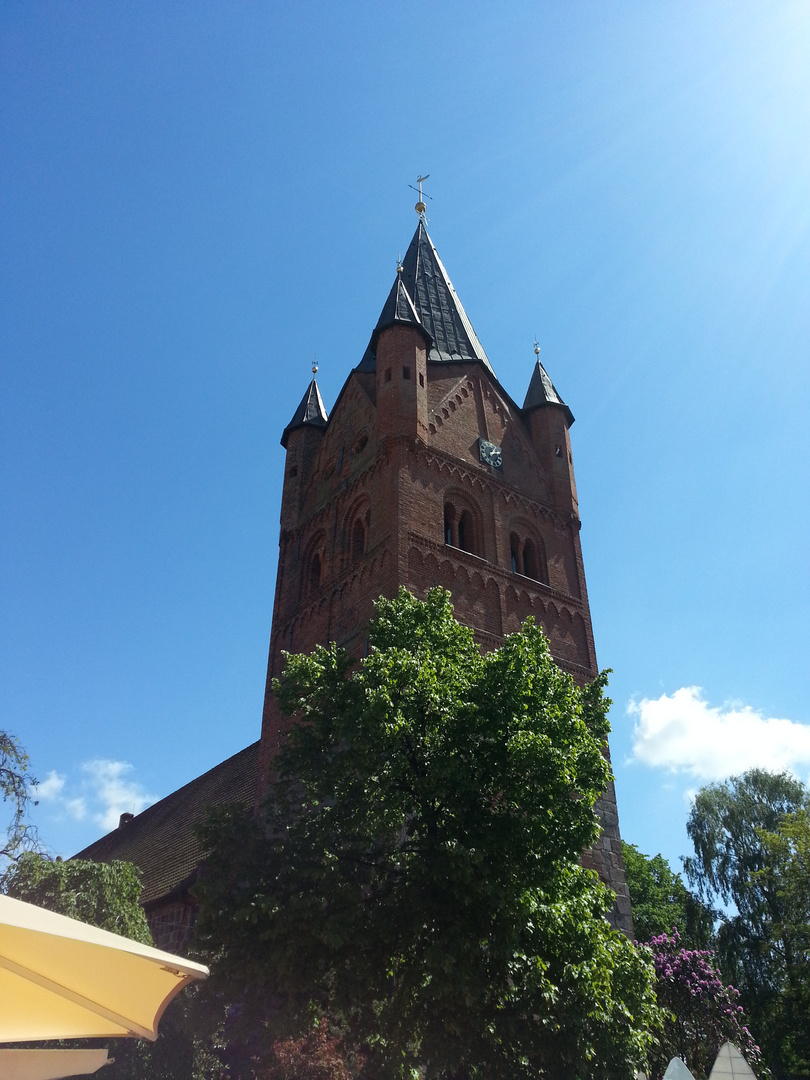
x=428, y=473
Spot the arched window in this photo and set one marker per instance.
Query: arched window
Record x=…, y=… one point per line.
x=530, y=560
x=358, y=541
x=356, y=531
x=314, y=565
x=449, y=514
x=465, y=531
x=461, y=525
x=314, y=572
x=515, y=553
x=527, y=555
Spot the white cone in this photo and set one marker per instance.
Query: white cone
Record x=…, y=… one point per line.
x=730, y=1065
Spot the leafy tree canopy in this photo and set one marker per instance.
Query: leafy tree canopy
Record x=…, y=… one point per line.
x=787, y=876
x=103, y=894
x=15, y=788
x=736, y=862
x=416, y=873
x=661, y=902
x=723, y=826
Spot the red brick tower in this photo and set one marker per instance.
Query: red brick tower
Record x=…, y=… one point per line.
x=428, y=473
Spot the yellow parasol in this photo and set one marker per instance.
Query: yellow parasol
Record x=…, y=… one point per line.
x=63, y=979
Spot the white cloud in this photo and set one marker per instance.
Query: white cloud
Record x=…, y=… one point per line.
x=50, y=787
x=111, y=792
x=76, y=807
x=104, y=791
x=683, y=733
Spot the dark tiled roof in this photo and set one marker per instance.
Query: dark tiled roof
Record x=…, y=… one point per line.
x=310, y=412
x=398, y=308
x=161, y=841
x=541, y=392
x=437, y=306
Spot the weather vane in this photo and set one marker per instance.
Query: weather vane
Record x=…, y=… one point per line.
x=536, y=347
x=315, y=364
x=420, y=206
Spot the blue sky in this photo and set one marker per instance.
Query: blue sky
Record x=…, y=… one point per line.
x=198, y=198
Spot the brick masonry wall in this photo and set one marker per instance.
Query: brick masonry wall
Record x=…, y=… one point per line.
x=171, y=924
x=399, y=450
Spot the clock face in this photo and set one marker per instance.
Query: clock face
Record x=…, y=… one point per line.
x=490, y=454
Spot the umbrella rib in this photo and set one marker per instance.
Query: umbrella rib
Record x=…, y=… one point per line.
x=78, y=999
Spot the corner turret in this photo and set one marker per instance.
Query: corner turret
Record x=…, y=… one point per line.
x=301, y=439
x=400, y=344
x=310, y=412
x=549, y=422
x=542, y=392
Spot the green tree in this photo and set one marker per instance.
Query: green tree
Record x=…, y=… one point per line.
x=416, y=873
x=733, y=864
x=787, y=874
x=661, y=902
x=106, y=895
x=16, y=785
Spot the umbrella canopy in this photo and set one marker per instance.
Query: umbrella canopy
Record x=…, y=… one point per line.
x=677, y=1070
x=49, y=1064
x=730, y=1065
x=63, y=979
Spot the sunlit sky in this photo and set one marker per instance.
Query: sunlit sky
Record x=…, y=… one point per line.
x=198, y=198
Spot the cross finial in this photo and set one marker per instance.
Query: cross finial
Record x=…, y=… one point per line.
x=420, y=206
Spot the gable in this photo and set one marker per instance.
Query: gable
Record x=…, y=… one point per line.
x=465, y=406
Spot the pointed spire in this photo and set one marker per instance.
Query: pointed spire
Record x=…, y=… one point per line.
x=437, y=303
x=436, y=306
x=398, y=308
x=310, y=413
x=541, y=389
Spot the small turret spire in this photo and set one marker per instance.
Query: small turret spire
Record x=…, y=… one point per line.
x=541, y=389
x=311, y=411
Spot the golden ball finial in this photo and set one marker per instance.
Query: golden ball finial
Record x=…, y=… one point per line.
x=420, y=206
x=536, y=348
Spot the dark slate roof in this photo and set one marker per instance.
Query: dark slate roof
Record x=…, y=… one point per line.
x=437, y=307
x=398, y=308
x=541, y=392
x=161, y=841
x=310, y=412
